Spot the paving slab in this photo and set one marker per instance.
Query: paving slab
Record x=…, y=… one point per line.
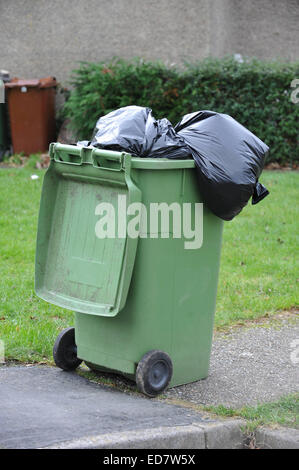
x=281, y=438
x=205, y=435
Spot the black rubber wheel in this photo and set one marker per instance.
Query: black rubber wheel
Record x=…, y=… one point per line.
x=65, y=350
x=153, y=373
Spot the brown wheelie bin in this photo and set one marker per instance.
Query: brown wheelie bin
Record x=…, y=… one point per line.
x=31, y=105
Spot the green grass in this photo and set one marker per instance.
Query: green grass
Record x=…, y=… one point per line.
x=284, y=412
x=28, y=325
x=258, y=265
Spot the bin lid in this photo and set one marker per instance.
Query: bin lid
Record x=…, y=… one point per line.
x=76, y=268
x=46, y=82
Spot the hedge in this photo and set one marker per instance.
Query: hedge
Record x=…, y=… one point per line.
x=256, y=93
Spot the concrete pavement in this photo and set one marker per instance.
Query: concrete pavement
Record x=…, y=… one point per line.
x=42, y=406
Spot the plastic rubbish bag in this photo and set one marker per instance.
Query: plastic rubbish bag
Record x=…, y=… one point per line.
x=260, y=191
x=134, y=129
x=229, y=160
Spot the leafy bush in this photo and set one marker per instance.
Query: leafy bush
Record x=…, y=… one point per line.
x=255, y=93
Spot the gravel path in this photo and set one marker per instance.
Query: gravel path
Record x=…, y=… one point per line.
x=248, y=366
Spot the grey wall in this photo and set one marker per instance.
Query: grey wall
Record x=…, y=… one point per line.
x=49, y=37
x=267, y=29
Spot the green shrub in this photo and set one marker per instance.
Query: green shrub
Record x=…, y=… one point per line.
x=255, y=93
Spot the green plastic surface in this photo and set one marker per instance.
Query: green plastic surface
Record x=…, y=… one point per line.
x=164, y=294
x=74, y=268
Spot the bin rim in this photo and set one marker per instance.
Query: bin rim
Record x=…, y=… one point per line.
x=161, y=163
x=46, y=82
x=141, y=163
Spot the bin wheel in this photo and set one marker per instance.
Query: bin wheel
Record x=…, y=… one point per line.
x=153, y=373
x=65, y=350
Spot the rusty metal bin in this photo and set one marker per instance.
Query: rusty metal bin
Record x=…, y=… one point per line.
x=31, y=105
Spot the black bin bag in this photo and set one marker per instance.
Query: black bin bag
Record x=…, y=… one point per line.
x=134, y=129
x=229, y=160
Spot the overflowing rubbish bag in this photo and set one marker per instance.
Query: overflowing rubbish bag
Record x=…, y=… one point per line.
x=135, y=130
x=229, y=158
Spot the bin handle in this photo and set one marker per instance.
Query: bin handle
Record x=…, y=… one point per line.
x=99, y=158
x=69, y=154
x=105, y=161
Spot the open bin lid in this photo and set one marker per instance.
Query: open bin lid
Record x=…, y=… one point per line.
x=76, y=269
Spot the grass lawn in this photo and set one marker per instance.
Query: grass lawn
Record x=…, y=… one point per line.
x=283, y=412
x=259, y=264
x=257, y=277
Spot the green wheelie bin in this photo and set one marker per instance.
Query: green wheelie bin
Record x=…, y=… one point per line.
x=128, y=245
